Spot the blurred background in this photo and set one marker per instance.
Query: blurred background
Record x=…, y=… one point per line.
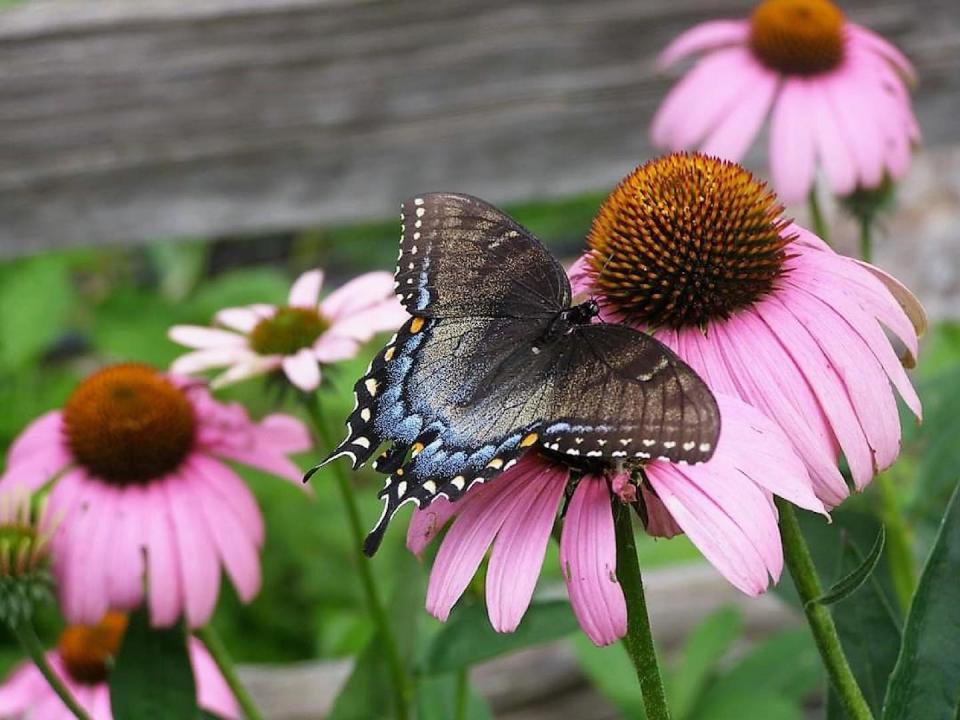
x=162, y=159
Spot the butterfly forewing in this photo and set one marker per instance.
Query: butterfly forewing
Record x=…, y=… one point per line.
x=461, y=257
x=489, y=367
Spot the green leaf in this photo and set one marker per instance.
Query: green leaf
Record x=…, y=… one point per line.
x=869, y=626
x=468, y=637
x=851, y=582
x=438, y=695
x=758, y=703
x=36, y=296
x=612, y=674
x=152, y=678
x=702, y=652
x=368, y=692
x=926, y=680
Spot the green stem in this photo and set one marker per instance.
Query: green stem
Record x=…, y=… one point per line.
x=816, y=217
x=899, y=548
x=866, y=239
x=463, y=695
x=35, y=651
x=218, y=651
x=402, y=690
x=639, y=640
x=804, y=575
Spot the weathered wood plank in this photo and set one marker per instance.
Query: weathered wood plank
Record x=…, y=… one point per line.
x=123, y=120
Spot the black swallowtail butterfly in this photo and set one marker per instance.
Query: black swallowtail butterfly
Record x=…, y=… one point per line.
x=494, y=361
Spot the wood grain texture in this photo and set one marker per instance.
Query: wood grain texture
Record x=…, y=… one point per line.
x=126, y=120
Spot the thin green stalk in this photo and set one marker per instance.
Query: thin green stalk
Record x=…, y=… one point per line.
x=398, y=674
x=218, y=651
x=463, y=694
x=639, y=640
x=899, y=548
x=804, y=575
x=816, y=217
x=866, y=239
x=34, y=649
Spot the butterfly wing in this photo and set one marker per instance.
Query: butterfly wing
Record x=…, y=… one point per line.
x=462, y=257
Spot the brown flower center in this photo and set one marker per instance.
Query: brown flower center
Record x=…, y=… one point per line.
x=88, y=650
x=686, y=239
x=129, y=424
x=797, y=37
x=290, y=329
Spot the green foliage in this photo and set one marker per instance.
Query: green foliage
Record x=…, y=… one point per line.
x=771, y=681
x=152, y=678
x=439, y=698
x=926, y=680
x=851, y=582
x=467, y=638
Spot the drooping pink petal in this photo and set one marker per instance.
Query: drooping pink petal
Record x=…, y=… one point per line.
x=330, y=348
x=205, y=338
x=660, y=522
x=201, y=360
x=164, y=579
x=824, y=381
x=197, y=557
x=588, y=559
x=792, y=144
x=305, y=291
x=858, y=34
x=125, y=565
x=732, y=543
x=358, y=294
x=213, y=693
x=302, y=370
x=731, y=137
x=255, y=449
x=234, y=493
x=907, y=301
x=832, y=144
x=518, y=551
x=857, y=123
x=700, y=99
x=235, y=546
x=480, y=518
x=705, y=36
x=759, y=449
x=247, y=368
x=426, y=523
x=241, y=319
x=282, y=433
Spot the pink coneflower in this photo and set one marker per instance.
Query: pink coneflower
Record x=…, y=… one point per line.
x=297, y=337
x=835, y=92
x=725, y=506
x=82, y=661
x=694, y=250
x=143, y=493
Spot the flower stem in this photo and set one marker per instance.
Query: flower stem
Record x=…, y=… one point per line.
x=34, y=649
x=398, y=674
x=804, y=575
x=218, y=651
x=866, y=239
x=899, y=553
x=639, y=640
x=816, y=217
x=463, y=695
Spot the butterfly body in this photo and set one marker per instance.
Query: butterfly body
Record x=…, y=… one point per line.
x=495, y=361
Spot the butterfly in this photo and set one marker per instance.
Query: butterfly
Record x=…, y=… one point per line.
x=495, y=361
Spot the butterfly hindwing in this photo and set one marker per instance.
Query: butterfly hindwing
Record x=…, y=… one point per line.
x=462, y=257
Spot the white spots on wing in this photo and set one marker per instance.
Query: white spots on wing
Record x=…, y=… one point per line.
x=413, y=248
x=371, y=386
x=619, y=453
x=572, y=451
x=535, y=350
x=416, y=236
x=705, y=447
x=554, y=446
x=578, y=441
x=410, y=280
x=594, y=453
x=410, y=266
x=418, y=201
x=668, y=444
x=421, y=212
x=601, y=443
x=626, y=441
x=401, y=488
x=689, y=445
x=641, y=454
x=418, y=224
x=361, y=441
x=458, y=482
x=510, y=464
x=430, y=486
x=649, y=443
x=365, y=414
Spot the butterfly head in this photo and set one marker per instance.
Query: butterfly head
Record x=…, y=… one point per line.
x=584, y=313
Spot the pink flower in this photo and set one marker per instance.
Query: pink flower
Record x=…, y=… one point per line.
x=695, y=250
x=725, y=506
x=835, y=92
x=297, y=337
x=143, y=493
x=82, y=662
